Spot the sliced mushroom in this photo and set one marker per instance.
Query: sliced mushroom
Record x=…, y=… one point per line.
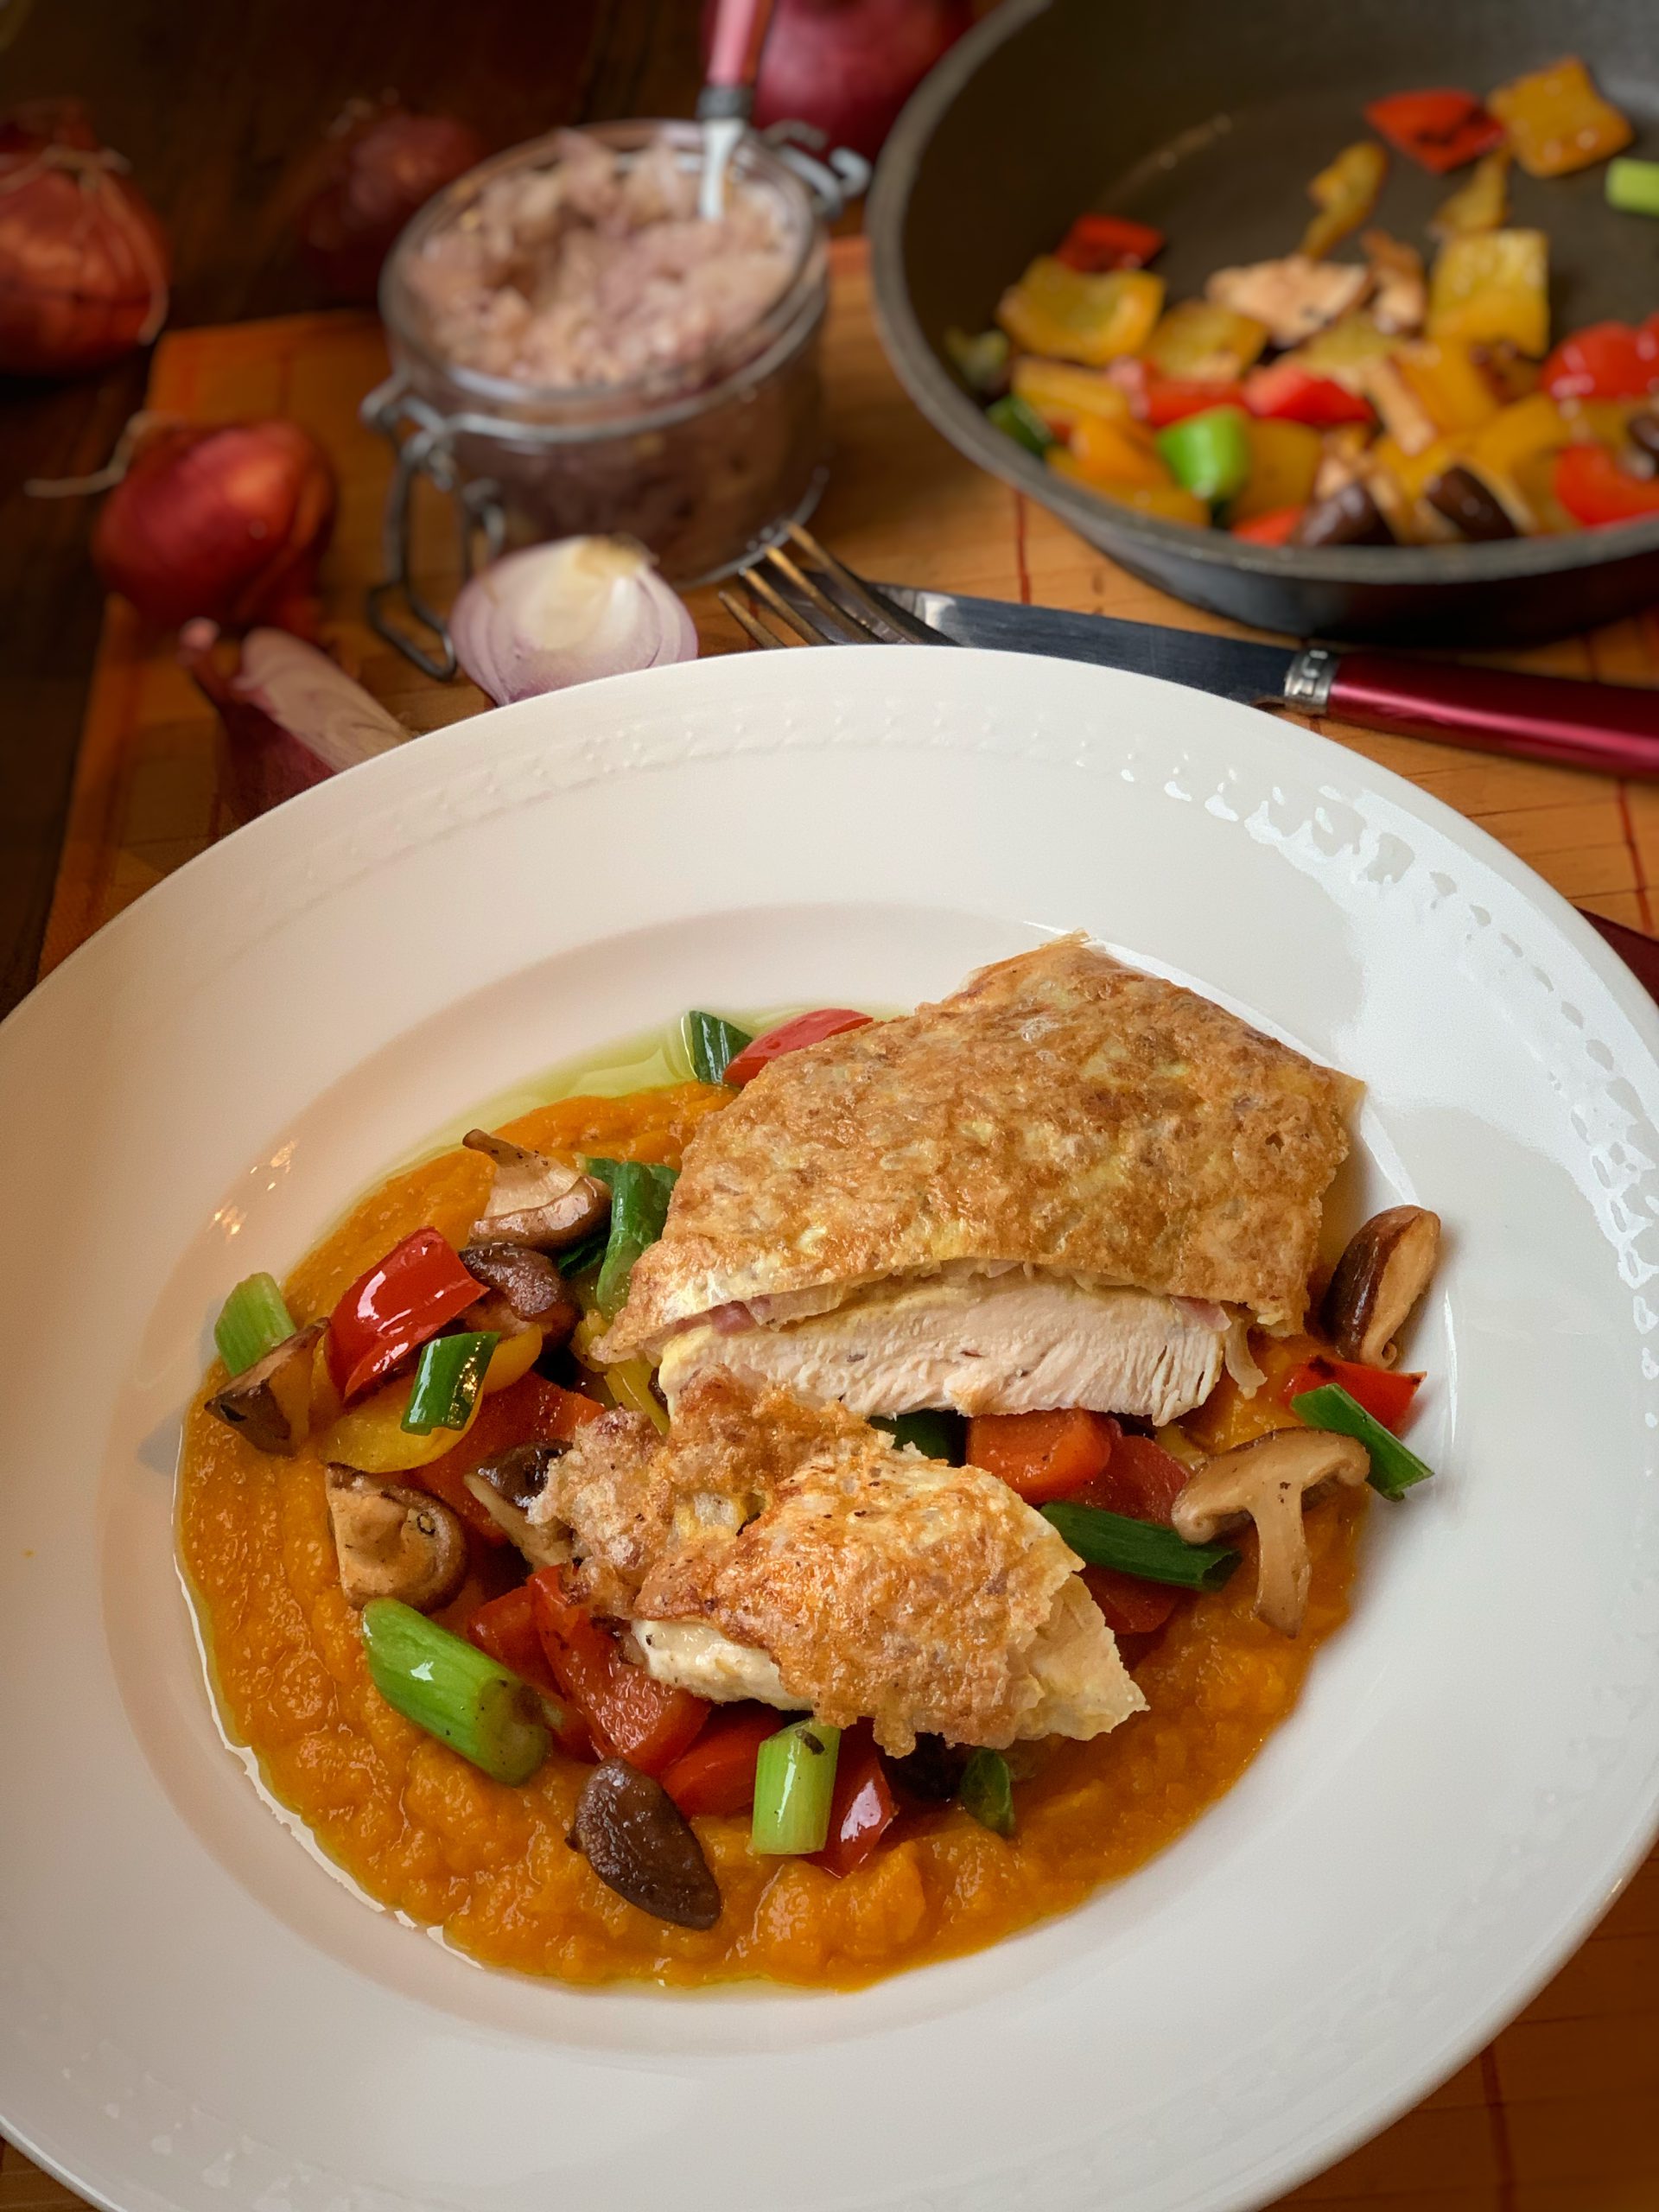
x=1294, y=296
x=507, y=1486
x=1379, y=1277
x=392, y=1542
x=639, y=1844
x=1268, y=1481
x=526, y=1291
x=535, y=1200
x=270, y=1402
x=1399, y=301
x=1473, y=511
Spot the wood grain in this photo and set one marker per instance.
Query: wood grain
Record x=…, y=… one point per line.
x=1557, y=2114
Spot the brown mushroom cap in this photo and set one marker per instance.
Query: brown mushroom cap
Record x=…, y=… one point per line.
x=1379, y=1277
x=639, y=1844
x=1268, y=1481
x=270, y=1402
x=508, y=1485
x=535, y=1200
x=393, y=1541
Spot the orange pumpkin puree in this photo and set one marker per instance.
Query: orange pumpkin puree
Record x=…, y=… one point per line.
x=425, y=1832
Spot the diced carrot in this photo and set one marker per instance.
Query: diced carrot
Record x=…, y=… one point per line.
x=717, y=1774
x=632, y=1716
x=1044, y=1455
x=862, y=1808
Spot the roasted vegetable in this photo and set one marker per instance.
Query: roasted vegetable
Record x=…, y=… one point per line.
x=1344, y=194
x=1071, y=317
x=1200, y=342
x=1487, y=285
x=1558, y=121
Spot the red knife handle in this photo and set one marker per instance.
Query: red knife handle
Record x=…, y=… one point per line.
x=1612, y=726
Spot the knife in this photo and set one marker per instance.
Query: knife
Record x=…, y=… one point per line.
x=1610, y=727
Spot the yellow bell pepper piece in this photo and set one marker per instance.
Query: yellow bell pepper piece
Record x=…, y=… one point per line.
x=1493, y=284
x=1172, y=502
x=512, y=1359
x=1447, y=384
x=371, y=1436
x=1533, y=480
x=1284, y=460
x=1064, y=394
x=1199, y=342
x=1482, y=202
x=1062, y=312
x=1414, y=471
x=1345, y=347
x=1517, y=434
x=1558, y=121
x=630, y=1385
x=1344, y=194
x=1110, y=453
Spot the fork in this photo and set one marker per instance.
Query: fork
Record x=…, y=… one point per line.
x=797, y=607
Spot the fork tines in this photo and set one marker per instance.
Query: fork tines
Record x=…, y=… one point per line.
x=823, y=603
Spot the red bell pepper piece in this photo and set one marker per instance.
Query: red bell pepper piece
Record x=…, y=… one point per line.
x=1043, y=1455
x=505, y=1628
x=1276, y=527
x=418, y=1289
x=789, y=1037
x=1441, y=129
x=1131, y=1606
x=1385, y=1395
x=530, y=1411
x=1141, y=1479
x=862, y=1808
x=1171, y=399
x=1094, y=243
x=717, y=1774
x=1595, y=490
x=632, y=1718
x=1285, y=392
x=1605, y=360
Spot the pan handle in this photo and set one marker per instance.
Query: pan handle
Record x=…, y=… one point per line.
x=1611, y=727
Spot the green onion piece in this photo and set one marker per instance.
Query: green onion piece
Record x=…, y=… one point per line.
x=639, y=1197
x=1142, y=1548
x=980, y=360
x=1022, y=423
x=986, y=1790
x=253, y=1321
x=1395, y=1466
x=1633, y=186
x=453, y=1690
x=448, y=1381
x=713, y=1043
x=936, y=1436
x=576, y=1259
x=1209, y=453
x=794, y=1781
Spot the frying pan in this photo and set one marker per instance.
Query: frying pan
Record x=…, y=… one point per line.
x=1207, y=117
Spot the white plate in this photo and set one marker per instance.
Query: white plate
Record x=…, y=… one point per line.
x=195, y=2012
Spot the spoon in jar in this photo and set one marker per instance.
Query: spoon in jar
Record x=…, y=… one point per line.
x=728, y=97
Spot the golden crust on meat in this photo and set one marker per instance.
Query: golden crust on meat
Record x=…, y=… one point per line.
x=1061, y=1111
x=884, y=1586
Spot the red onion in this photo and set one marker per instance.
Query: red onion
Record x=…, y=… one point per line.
x=849, y=66
x=557, y=615
x=227, y=522
x=83, y=260
x=290, y=717
x=378, y=165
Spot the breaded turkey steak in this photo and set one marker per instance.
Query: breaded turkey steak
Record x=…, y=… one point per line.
x=773, y=1550
x=1070, y=1185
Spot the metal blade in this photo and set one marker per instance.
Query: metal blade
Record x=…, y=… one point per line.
x=1233, y=668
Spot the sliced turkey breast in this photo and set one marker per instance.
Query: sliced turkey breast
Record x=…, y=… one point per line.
x=1004, y=1343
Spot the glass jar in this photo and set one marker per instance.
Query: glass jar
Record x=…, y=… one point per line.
x=704, y=461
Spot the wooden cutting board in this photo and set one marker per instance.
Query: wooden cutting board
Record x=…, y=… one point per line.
x=1561, y=2112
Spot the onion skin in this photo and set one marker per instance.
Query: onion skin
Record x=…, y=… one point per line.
x=378, y=166
x=229, y=522
x=620, y=616
x=289, y=716
x=84, y=262
x=848, y=67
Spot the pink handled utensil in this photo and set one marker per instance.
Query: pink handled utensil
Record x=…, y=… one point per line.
x=728, y=97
